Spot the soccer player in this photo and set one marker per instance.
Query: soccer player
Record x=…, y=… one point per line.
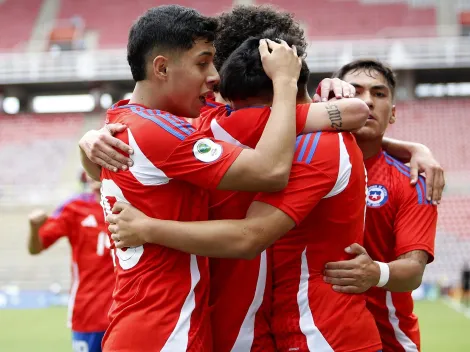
x=162, y=291
x=400, y=222
x=81, y=220
x=328, y=174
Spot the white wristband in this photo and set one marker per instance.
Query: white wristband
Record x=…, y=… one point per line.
x=384, y=274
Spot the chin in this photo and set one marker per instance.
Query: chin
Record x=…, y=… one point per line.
x=366, y=133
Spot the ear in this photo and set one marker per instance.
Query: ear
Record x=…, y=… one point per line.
x=159, y=66
x=393, y=118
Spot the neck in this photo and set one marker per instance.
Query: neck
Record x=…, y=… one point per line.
x=369, y=147
x=145, y=94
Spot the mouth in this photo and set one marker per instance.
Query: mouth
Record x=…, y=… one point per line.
x=207, y=95
x=371, y=118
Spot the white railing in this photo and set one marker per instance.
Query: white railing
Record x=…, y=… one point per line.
x=323, y=56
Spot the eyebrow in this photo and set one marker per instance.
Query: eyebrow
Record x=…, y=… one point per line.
x=206, y=53
x=378, y=86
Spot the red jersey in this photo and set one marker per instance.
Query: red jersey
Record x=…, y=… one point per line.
x=326, y=199
x=240, y=293
x=161, y=295
x=81, y=220
x=399, y=220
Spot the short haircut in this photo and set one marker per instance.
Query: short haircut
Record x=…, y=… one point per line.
x=243, y=22
x=165, y=28
x=369, y=65
x=242, y=75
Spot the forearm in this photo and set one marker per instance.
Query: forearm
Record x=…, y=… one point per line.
x=34, y=241
x=93, y=170
x=340, y=115
x=405, y=275
x=221, y=238
x=275, y=149
x=400, y=149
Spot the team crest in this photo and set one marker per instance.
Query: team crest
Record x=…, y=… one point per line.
x=377, y=195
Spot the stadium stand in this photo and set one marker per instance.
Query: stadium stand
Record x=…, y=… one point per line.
x=101, y=16
x=374, y=20
x=16, y=23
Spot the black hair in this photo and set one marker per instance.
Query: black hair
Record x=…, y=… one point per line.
x=243, y=22
x=369, y=65
x=165, y=28
x=242, y=75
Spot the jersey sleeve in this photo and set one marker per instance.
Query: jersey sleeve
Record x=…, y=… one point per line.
x=313, y=176
x=58, y=225
x=415, y=224
x=167, y=147
x=201, y=160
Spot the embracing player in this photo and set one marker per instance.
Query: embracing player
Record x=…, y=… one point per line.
x=81, y=220
x=400, y=222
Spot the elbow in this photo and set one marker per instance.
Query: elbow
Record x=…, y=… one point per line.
x=416, y=282
x=359, y=113
x=250, y=246
x=276, y=179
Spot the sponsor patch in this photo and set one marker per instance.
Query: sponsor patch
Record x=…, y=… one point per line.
x=206, y=150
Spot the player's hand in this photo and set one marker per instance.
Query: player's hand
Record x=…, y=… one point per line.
x=353, y=276
x=282, y=62
x=37, y=218
x=125, y=225
x=422, y=160
x=333, y=87
x=98, y=147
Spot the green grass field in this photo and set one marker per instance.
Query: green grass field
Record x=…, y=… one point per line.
x=44, y=330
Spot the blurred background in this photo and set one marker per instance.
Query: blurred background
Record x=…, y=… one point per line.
x=63, y=63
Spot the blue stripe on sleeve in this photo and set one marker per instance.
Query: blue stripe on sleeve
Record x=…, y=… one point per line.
x=183, y=126
x=161, y=124
x=422, y=182
x=297, y=141
x=304, y=147
x=314, y=147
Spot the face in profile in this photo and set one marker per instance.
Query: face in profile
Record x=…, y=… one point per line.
x=191, y=77
x=372, y=87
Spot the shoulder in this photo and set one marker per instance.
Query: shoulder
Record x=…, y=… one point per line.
x=400, y=174
x=72, y=204
x=316, y=146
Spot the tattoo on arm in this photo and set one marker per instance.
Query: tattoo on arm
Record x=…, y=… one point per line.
x=417, y=255
x=335, y=116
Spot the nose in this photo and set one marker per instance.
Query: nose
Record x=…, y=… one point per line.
x=213, y=78
x=366, y=97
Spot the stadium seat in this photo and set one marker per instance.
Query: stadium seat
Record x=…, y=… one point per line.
x=101, y=15
x=16, y=22
x=351, y=18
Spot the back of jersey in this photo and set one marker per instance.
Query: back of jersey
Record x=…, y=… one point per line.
x=326, y=198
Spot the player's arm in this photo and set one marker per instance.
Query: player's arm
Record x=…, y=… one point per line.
x=243, y=238
x=361, y=273
x=267, y=219
x=267, y=167
x=336, y=115
x=415, y=230
x=36, y=219
x=421, y=160
x=44, y=231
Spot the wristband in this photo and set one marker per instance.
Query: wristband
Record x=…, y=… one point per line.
x=384, y=274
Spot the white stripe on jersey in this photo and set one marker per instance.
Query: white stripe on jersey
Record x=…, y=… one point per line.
x=178, y=340
x=246, y=334
x=402, y=338
x=143, y=170
x=223, y=135
x=315, y=340
x=73, y=293
x=344, y=172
